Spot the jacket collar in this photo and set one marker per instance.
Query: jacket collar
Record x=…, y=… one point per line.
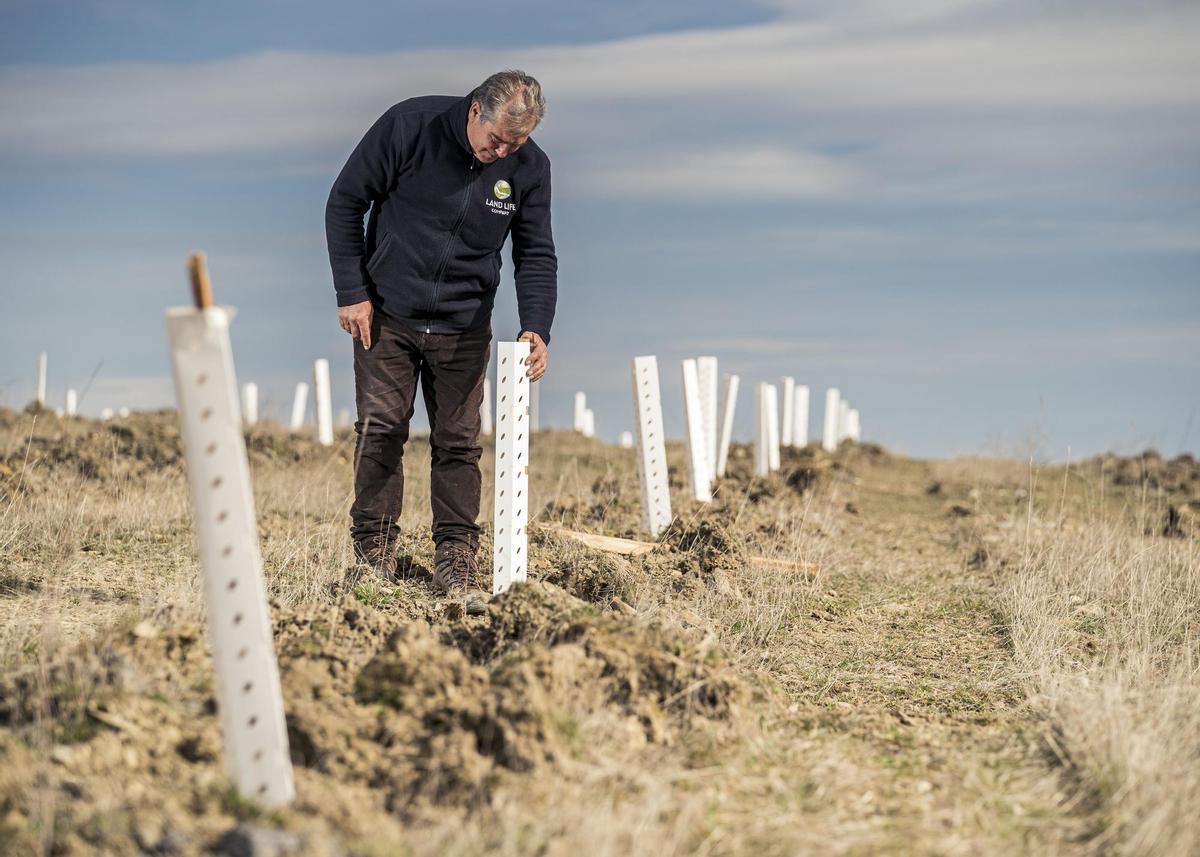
x=456, y=116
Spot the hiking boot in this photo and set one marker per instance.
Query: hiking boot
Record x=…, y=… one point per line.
x=456, y=574
x=378, y=552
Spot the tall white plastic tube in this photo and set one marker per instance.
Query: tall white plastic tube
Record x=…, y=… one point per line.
x=299, y=406
x=800, y=417
x=485, y=408
x=249, y=403
x=249, y=702
x=727, y=413
x=696, y=441
x=651, y=446
x=772, y=426
x=510, y=560
x=706, y=371
x=41, y=379
x=829, y=438
x=323, y=403
x=762, y=440
x=787, y=424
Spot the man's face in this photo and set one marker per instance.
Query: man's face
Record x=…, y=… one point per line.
x=488, y=140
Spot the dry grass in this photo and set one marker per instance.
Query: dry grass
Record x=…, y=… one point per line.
x=885, y=697
x=1105, y=623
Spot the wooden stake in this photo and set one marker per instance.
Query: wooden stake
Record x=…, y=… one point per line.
x=201, y=284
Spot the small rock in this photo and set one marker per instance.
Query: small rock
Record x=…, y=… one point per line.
x=145, y=631
x=249, y=840
x=147, y=831
x=623, y=607
x=61, y=754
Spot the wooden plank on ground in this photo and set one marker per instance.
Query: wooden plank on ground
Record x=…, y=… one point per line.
x=634, y=547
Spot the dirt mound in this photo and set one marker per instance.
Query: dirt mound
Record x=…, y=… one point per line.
x=612, y=506
x=1179, y=475
x=602, y=658
x=590, y=575
x=401, y=714
x=707, y=547
x=128, y=447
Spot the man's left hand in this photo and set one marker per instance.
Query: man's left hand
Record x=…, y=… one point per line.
x=538, y=355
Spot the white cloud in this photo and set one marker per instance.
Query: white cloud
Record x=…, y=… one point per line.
x=1175, y=344
x=289, y=102
x=746, y=172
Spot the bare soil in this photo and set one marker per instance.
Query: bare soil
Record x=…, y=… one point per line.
x=689, y=700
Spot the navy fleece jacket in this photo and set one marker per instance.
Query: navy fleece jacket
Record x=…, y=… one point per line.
x=430, y=257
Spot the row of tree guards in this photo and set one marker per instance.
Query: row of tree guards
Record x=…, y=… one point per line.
x=70, y=406
x=250, y=704
x=785, y=425
x=710, y=427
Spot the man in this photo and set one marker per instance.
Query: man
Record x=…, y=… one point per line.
x=446, y=180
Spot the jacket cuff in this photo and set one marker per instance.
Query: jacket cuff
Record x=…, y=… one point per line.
x=353, y=296
x=544, y=333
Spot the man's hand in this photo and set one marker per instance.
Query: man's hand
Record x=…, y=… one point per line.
x=538, y=355
x=356, y=321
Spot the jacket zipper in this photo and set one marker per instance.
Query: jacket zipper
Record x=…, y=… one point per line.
x=441, y=268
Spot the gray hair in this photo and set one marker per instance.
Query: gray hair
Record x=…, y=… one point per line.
x=512, y=99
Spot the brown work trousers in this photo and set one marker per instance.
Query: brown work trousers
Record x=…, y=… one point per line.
x=451, y=369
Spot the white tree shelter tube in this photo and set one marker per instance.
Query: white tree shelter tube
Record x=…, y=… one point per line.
x=246, y=674
x=651, y=445
x=697, y=443
x=510, y=557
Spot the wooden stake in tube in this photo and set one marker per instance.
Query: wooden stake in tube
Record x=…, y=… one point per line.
x=201, y=284
x=246, y=675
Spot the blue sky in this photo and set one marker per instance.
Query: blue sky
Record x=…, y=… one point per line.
x=980, y=220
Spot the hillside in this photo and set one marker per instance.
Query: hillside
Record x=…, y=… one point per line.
x=972, y=656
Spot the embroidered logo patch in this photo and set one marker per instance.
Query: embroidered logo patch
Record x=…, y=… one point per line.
x=502, y=190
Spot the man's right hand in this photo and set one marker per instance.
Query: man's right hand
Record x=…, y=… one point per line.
x=356, y=321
